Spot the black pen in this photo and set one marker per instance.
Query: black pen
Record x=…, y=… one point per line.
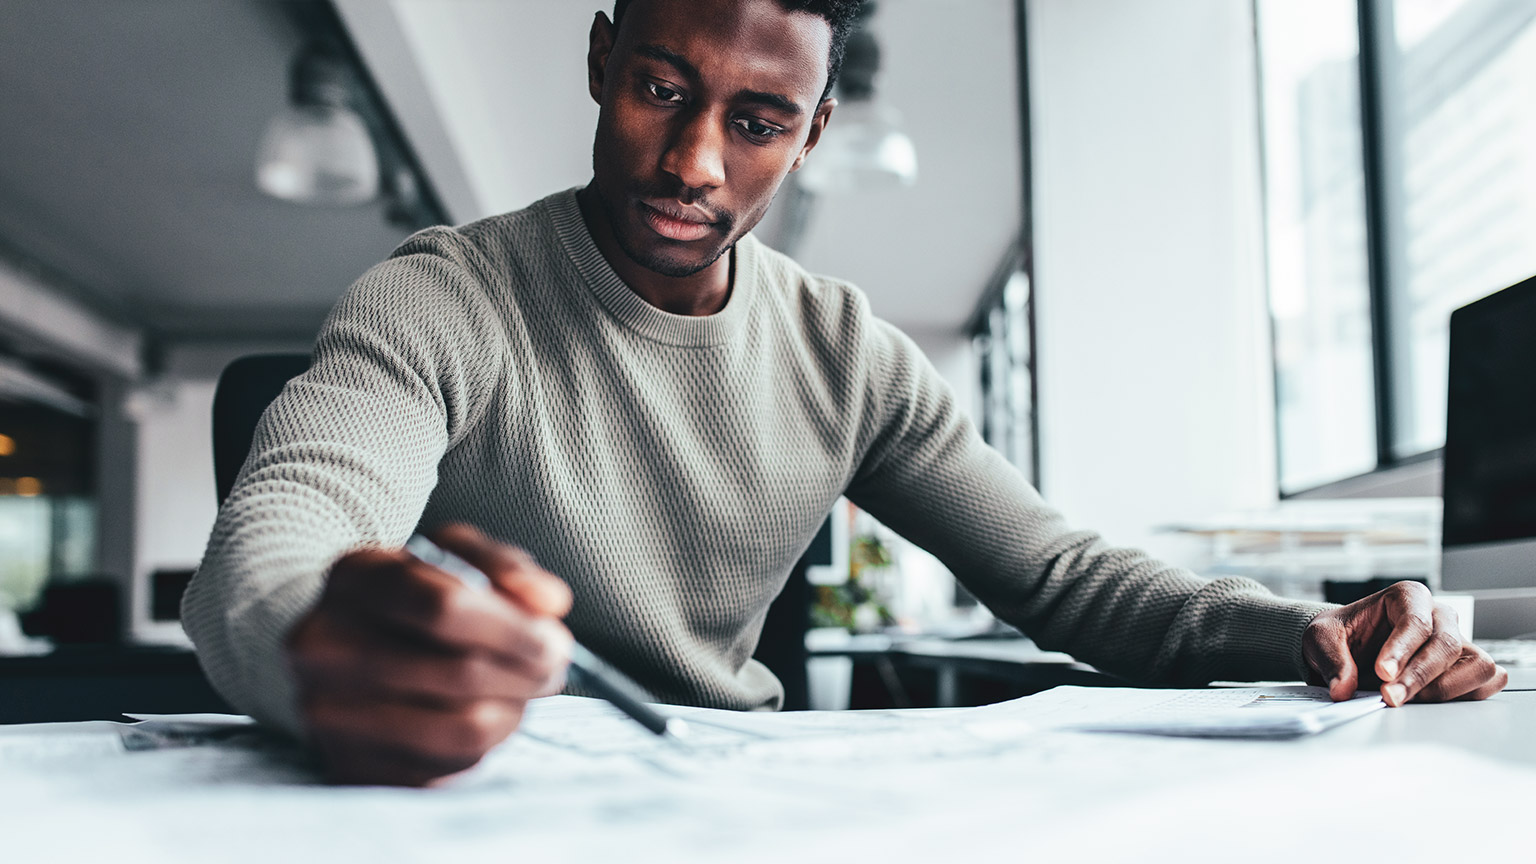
x=587, y=670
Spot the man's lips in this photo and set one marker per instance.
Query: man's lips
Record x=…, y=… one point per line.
x=676, y=222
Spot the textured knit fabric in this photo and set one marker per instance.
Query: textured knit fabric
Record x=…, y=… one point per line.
x=670, y=468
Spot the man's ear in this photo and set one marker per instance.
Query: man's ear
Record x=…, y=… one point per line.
x=599, y=46
x=819, y=122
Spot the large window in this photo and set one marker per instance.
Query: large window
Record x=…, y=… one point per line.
x=1400, y=173
x=47, y=484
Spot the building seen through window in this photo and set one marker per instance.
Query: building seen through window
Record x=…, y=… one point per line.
x=1442, y=148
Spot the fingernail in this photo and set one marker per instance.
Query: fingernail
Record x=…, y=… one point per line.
x=1333, y=684
x=1389, y=668
x=1396, y=694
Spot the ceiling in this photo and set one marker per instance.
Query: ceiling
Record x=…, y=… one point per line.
x=127, y=160
x=131, y=129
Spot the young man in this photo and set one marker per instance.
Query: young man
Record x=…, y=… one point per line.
x=623, y=382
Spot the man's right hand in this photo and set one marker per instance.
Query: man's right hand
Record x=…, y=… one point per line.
x=407, y=676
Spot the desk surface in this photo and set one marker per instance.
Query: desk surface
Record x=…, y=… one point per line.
x=927, y=785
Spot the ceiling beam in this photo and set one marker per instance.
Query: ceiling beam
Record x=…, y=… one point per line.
x=379, y=36
x=33, y=311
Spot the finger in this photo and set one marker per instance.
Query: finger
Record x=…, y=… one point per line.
x=343, y=660
x=1326, y=648
x=1410, y=611
x=1499, y=681
x=419, y=600
x=1432, y=659
x=513, y=571
x=434, y=739
x=355, y=764
x=1471, y=670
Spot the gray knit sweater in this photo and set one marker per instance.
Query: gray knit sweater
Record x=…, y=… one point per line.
x=670, y=468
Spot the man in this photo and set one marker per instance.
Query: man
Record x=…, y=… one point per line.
x=627, y=385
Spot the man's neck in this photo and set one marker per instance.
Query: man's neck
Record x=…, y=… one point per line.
x=702, y=293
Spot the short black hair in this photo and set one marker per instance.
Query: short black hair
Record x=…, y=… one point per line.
x=842, y=15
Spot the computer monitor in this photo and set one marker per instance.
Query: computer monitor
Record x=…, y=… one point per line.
x=1490, y=462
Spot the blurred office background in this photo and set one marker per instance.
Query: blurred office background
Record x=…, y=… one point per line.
x=1185, y=261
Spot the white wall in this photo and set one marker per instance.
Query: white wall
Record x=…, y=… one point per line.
x=175, y=503
x=1155, y=383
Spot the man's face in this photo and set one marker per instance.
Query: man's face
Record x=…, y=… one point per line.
x=706, y=105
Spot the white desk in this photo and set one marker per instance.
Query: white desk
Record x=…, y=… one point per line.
x=1401, y=784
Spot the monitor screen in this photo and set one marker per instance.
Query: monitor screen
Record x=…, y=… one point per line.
x=1490, y=442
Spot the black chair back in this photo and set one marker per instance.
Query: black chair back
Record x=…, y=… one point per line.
x=246, y=388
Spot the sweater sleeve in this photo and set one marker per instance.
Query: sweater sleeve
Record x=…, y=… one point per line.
x=928, y=475
x=345, y=457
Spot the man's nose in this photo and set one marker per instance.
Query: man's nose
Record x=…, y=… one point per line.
x=696, y=155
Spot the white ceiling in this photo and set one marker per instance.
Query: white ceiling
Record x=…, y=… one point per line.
x=127, y=159
x=493, y=97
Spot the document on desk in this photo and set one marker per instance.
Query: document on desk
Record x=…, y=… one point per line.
x=1227, y=712
x=581, y=782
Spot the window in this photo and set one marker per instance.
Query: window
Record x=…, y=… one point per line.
x=1400, y=183
x=1003, y=338
x=1459, y=93
x=47, y=486
x=1318, y=276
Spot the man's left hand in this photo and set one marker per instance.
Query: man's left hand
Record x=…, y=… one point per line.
x=1401, y=640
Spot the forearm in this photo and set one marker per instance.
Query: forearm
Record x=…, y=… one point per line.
x=929, y=476
x=257, y=578
x=344, y=458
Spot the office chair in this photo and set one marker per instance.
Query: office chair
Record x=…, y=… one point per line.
x=245, y=389
x=248, y=386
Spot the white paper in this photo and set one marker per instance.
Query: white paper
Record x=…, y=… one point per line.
x=1232, y=712
x=584, y=783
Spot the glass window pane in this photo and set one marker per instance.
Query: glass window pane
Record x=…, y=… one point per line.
x=1318, y=278
x=1463, y=91
x=1004, y=349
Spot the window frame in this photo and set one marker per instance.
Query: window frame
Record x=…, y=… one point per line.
x=1382, y=129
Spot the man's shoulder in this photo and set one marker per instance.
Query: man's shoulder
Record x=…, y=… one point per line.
x=830, y=309
x=819, y=300
x=488, y=245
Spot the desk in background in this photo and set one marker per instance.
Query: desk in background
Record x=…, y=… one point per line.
x=924, y=671
x=99, y=682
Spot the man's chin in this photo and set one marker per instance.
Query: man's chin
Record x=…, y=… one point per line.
x=671, y=264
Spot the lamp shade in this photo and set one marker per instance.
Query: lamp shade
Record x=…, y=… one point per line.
x=318, y=154
x=863, y=148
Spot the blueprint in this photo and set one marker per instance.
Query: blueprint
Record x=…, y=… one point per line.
x=580, y=782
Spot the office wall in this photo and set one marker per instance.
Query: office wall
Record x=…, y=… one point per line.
x=1155, y=384
x=176, y=495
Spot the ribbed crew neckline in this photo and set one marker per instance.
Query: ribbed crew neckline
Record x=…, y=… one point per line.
x=632, y=310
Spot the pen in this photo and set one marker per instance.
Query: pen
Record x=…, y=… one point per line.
x=587, y=670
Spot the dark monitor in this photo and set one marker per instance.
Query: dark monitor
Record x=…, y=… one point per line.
x=1489, y=532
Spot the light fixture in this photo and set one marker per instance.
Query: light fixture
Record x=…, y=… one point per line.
x=318, y=150
x=864, y=146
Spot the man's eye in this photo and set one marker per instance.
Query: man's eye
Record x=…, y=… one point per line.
x=754, y=129
x=665, y=94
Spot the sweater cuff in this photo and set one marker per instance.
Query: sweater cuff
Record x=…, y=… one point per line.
x=268, y=691
x=1263, y=639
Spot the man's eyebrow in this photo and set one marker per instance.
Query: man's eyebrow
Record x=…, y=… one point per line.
x=663, y=54
x=668, y=56
x=772, y=100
